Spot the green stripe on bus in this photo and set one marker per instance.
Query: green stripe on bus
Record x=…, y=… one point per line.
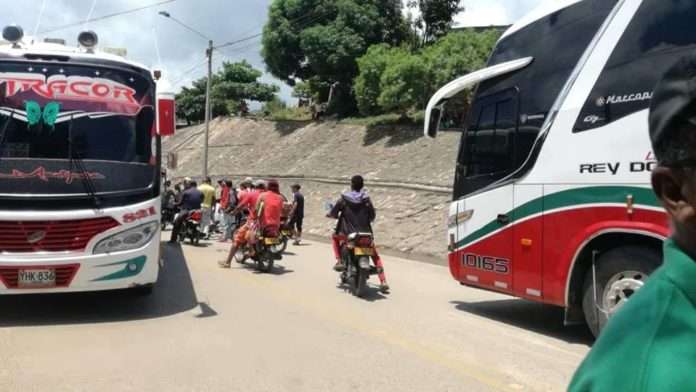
x=130, y=268
x=571, y=197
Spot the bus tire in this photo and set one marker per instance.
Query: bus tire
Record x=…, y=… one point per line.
x=619, y=273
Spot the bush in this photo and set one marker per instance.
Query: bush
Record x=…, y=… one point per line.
x=395, y=79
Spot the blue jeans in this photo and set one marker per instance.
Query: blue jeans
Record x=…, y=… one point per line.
x=229, y=223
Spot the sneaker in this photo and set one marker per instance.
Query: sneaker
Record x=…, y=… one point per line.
x=339, y=267
x=384, y=288
x=296, y=242
x=224, y=264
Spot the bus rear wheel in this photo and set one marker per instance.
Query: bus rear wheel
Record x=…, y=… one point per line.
x=620, y=272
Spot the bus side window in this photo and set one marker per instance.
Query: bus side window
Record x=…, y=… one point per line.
x=660, y=34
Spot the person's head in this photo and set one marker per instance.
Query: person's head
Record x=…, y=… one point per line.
x=295, y=188
x=673, y=136
x=260, y=185
x=229, y=184
x=187, y=182
x=273, y=186
x=193, y=184
x=357, y=183
x=221, y=182
x=167, y=184
x=207, y=181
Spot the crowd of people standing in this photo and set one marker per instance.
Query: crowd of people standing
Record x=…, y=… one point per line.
x=218, y=205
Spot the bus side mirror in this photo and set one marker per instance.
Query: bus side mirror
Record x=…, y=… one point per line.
x=435, y=119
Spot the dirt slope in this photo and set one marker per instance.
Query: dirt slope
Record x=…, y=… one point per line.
x=410, y=219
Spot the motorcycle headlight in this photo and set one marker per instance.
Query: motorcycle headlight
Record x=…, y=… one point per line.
x=126, y=240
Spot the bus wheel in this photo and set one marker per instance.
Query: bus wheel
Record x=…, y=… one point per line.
x=619, y=273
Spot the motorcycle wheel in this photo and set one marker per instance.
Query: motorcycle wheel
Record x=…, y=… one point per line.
x=195, y=238
x=360, y=278
x=240, y=257
x=265, y=263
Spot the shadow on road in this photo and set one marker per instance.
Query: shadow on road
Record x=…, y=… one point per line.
x=371, y=294
x=535, y=317
x=173, y=294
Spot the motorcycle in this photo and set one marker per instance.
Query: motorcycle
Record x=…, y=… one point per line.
x=286, y=234
x=356, y=251
x=191, y=228
x=168, y=215
x=263, y=251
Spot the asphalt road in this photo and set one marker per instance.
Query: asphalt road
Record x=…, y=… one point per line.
x=207, y=329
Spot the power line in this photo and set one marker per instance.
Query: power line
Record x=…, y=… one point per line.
x=89, y=20
x=302, y=23
x=184, y=74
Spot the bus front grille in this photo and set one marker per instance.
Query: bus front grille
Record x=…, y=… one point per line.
x=51, y=236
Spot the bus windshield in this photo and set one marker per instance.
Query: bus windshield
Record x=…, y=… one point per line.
x=61, y=125
x=508, y=112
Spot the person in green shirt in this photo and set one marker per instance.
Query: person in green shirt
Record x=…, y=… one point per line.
x=207, y=206
x=650, y=343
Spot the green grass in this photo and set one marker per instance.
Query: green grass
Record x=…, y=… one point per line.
x=411, y=118
x=291, y=114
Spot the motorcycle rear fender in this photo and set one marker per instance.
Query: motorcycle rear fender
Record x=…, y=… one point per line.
x=364, y=263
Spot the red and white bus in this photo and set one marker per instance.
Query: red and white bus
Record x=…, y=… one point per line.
x=79, y=168
x=552, y=200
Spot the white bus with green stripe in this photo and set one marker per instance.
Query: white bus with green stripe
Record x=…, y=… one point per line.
x=552, y=198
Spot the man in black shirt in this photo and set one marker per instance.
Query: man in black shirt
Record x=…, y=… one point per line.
x=297, y=213
x=355, y=214
x=191, y=200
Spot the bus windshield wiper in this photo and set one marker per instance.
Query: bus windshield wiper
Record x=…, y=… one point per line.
x=3, y=132
x=76, y=159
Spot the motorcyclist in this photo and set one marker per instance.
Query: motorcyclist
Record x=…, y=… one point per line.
x=168, y=196
x=247, y=201
x=191, y=200
x=355, y=213
x=269, y=209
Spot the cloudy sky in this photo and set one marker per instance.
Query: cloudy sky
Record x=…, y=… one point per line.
x=182, y=52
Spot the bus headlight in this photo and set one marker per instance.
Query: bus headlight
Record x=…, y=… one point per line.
x=126, y=240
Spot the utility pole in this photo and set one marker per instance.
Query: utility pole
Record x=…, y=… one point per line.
x=209, y=53
x=208, y=109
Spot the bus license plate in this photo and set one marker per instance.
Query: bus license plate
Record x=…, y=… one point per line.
x=36, y=278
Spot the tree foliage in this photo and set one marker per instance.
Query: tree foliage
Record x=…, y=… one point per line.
x=232, y=86
x=320, y=40
x=396, y=79
x=435, y=17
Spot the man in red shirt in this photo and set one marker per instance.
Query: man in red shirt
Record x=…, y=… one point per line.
x=247, y=201
x=270, y=208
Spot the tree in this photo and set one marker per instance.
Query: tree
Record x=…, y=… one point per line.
x=405, y=83
x=435, y=17
x=273, y=106
x=232, y=86
x=322, y=39
x=190, y=102
x=458, y=54
x=369, y=80
x=396, y=79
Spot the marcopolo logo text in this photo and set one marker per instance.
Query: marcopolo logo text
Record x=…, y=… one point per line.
x=616, y=99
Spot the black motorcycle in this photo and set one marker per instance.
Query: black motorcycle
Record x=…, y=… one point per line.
x=192, y=228
x=356, y=252
x=263, y=252
x=168, y=215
